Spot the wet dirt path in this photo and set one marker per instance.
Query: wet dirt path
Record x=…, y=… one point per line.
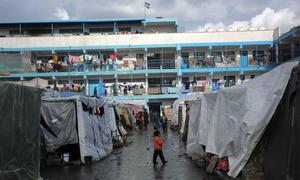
x=134, y=162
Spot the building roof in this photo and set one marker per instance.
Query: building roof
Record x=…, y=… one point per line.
x=288, y=35
x=147, y=20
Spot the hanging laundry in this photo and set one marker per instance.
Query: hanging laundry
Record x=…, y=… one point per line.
x=81, y=60
x=55, y=58
x=71, y=59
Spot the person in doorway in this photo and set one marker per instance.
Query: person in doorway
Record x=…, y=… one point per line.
x=95, y=92
x=158, y=143
x=155, y=120
x=146, y=118
x=164, y=121
x=125, y=88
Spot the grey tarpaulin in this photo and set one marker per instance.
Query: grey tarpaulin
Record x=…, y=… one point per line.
x=240, y=115
x=283, y=133
x=60, y=117
x=94, y=131
x=19, y=132
x=199, y=122
x=180, y=102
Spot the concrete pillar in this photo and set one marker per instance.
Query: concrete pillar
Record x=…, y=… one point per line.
x=22, y=80
x=54, y=81
x=277, y=53
x=86, y=85
x=145, y=59
x=292, y=50
x=178, y=59
x=115, y=59
x=179, y=78
x=115, y=27
x=146, y=83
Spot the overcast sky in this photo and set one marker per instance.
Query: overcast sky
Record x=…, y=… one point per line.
x=193, y=15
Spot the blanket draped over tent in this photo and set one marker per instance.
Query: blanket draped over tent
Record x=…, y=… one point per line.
x=231, y=122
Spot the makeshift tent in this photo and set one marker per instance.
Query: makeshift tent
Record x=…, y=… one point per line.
x=35, y=82
x=19, y=132
x=180, y=103
x=238, y=116
x=89, y=122
x=201, y=111
x=283, y=133
x=124, y=111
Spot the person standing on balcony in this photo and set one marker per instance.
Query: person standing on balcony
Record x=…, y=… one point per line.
x=125, y=89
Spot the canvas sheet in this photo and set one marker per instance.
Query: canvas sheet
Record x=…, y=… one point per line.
x=19, y=132
x=60, y=124
x=181, y=101
x=199, y=122
x=94, y=131
x=240, y=115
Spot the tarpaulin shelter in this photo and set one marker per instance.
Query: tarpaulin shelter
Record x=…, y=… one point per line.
x=237, y=117
x=179, y=105
x=89, y=122
x=124, y=111
x=126, y=108
x=35, y=82
x=19, y=132
x=283, y=133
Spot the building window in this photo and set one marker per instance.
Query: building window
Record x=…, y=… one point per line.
x=217, y=56
x=258, y=58
x=229, y=57
x=124, y=29
x=199, y=58
x=101, y=30
x=242, y=77
x=200, y=78
x=70, y=31
x=229, y=81
x=15, y=32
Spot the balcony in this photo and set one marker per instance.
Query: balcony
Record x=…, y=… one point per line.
x=119, y=66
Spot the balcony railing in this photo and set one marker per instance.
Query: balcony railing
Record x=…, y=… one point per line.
x=151, y=64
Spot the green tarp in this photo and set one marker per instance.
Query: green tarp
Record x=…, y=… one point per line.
x=19, y=132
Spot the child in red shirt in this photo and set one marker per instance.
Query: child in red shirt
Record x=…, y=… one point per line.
x=157, y=143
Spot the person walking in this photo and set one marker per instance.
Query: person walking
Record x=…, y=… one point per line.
x=158, y=143
x=164, y=121
x=156, y=119
x=146, y=118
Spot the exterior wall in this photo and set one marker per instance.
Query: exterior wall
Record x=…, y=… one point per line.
x=161, y=29
x=106, y=41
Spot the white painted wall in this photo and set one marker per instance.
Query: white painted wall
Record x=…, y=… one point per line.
x=134, y=39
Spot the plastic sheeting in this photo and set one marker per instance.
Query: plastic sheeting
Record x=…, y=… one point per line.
x=199, y=123
x=94, y=131
x=240, y=115
x=60, y=117
x=19, y=132
x=35, y=82
x=180, y=102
